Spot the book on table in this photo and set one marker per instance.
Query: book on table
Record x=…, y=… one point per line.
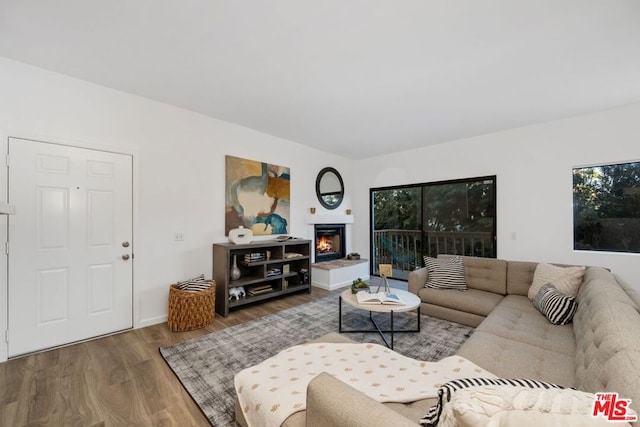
x=365, y=297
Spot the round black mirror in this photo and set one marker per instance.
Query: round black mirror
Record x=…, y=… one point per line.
x=329, y=188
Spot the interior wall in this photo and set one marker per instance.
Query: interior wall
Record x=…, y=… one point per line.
x=179, y=176
x=533, y=165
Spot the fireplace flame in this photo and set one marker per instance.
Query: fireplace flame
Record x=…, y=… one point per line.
x=324, y=245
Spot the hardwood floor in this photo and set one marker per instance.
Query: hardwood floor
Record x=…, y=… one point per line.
x=119, y=380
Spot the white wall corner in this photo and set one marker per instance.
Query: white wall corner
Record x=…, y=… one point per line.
x=4, y=301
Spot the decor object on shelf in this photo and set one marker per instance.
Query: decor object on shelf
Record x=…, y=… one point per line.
x=289, y=255
x=234, y=273
x=252, y=185
x=240, y=235
x=236, y=292
x=329, y=188
x=359, y=285
x=353, y=256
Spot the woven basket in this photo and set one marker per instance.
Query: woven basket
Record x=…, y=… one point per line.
x=191, y=310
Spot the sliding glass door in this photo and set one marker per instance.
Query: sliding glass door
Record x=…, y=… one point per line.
x=396, y=234
x=447, y=217
x=459, y=218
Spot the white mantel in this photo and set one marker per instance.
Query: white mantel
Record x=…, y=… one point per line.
x=328, y=218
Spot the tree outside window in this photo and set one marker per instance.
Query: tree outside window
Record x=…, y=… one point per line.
x=606, y=208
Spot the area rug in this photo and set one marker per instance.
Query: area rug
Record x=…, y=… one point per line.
x=206, y=365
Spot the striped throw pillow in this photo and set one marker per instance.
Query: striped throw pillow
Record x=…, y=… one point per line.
x=557, y=307
x=445, y=273
x=449, y=388
x=194, y=285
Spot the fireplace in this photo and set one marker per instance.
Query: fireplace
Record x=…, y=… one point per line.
x=330, y=242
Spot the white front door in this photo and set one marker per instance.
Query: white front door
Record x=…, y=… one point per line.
x=70, y=245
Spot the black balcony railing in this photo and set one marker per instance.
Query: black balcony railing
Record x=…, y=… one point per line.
x=404, y=248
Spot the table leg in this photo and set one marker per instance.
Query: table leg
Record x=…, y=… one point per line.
x=340, y=313
x=381, y=332
x=391, y=329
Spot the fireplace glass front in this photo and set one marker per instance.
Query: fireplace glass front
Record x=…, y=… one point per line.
x=330, y=242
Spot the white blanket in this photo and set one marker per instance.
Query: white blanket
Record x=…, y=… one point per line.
x=274, y=389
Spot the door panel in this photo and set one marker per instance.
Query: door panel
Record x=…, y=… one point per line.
x=101, y=288
x=52, y=296
x=67, y=278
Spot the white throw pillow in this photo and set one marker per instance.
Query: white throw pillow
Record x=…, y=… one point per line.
x=565, y=279
x=504, y=405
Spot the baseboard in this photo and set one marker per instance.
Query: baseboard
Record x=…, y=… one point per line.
x=152, y=321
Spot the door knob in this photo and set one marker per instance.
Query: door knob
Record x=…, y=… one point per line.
x=125, y=244
x=125, y=257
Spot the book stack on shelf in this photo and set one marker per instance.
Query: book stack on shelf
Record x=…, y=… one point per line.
x=275, y=271
x=254, y=257
x=258, y=290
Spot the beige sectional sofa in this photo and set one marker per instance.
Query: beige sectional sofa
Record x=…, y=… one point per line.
x=599, y=351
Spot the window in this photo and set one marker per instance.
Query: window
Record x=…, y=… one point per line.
x=606, y=208
x=448, y=217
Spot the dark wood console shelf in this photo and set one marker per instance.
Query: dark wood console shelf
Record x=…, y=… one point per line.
x=269, y=272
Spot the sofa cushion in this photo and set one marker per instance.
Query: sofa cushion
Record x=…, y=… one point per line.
x=520, y=277
x=485, y=274
x=565, y=279
x=440, y=312
x=557, y=307
x=470, y=301
x=509, y=358
x=607, y=332
x=445, y=273
x=515, y=318
x=326, y=393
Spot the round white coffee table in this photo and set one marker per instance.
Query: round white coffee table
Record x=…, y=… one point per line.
x=411, y=302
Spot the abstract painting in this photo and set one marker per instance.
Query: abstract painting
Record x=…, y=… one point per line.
x=257, y=196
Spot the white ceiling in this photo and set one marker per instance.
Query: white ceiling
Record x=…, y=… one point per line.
x=355, y=77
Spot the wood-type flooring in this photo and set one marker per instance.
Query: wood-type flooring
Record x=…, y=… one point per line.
x=117, y=380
